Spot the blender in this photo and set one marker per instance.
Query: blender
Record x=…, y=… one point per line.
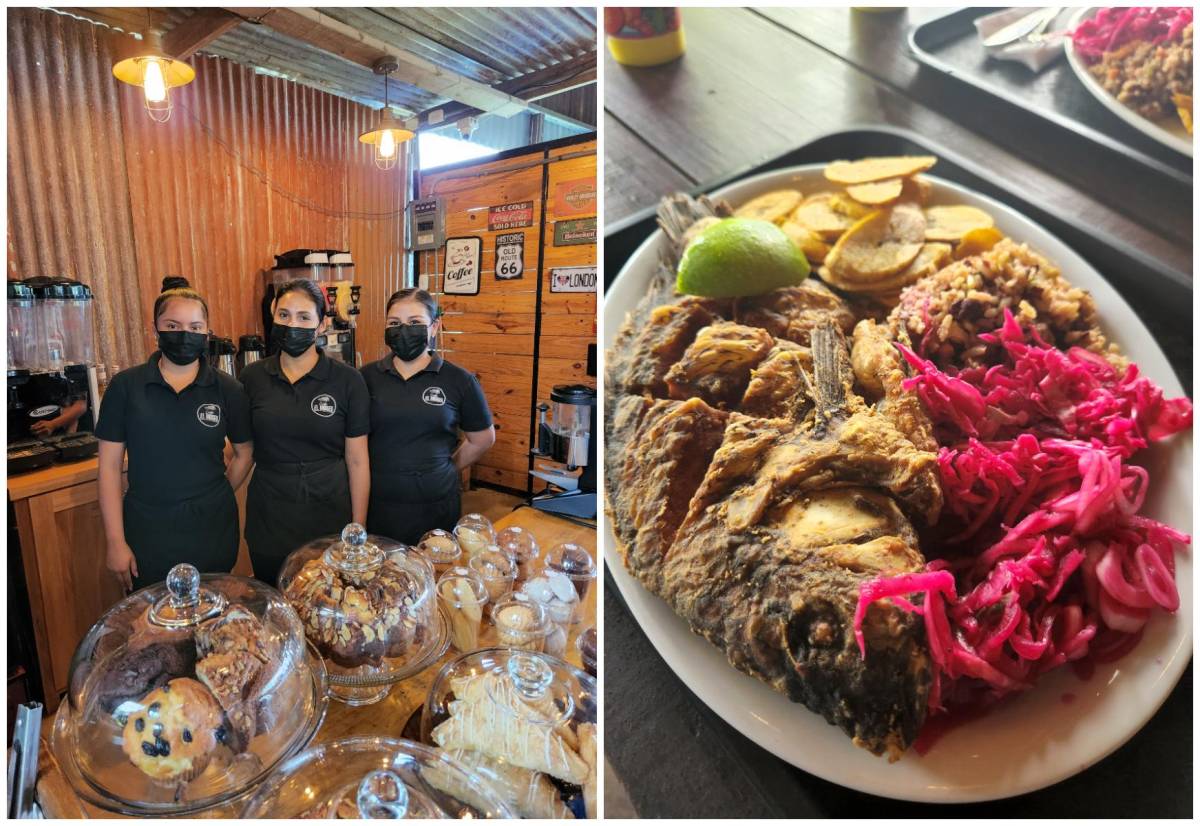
x=566, y=437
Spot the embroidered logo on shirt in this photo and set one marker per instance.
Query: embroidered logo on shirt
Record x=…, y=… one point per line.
x=39, y=412
x=209, y=414
x=434, y=395
x=324, y=405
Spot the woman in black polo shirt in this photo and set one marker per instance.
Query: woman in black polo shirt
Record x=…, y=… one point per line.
x=173, y=415
x=419, y=403
x=310, y=422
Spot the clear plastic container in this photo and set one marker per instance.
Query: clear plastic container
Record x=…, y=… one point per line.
x=576, y=563
x=367, y=603
x=586, y=643
x=375, y=777
x=50, y=342
x=520, y=623
x=78, y=324
x=22, y=329
x=441, y=549
x=530, y=716
x=523, y=548
x=560, y=600
x=186, y=694
x=497, y=571
x=474, y=532
x=463, y=595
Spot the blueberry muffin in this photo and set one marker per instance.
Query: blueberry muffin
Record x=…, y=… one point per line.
x=175, y=730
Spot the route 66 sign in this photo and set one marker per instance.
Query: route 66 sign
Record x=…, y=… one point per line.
x=510, y=256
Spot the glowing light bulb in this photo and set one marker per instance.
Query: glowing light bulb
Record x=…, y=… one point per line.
x=154, y=83
x=387, y=144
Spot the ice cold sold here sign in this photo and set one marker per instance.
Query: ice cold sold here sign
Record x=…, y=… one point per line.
x=573, y=280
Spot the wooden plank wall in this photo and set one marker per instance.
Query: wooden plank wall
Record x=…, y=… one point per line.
x=492, y=334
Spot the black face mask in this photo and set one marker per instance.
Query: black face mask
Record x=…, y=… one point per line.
x=292, y=340
x=407, y=341
x=182, y=347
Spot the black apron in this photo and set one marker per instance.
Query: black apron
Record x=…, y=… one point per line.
x=289, y=505
x=407, y=502
x=202, y=531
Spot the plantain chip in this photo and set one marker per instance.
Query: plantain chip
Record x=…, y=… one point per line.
x=880, y=245
x=877, y=193
x=877, y=169
x=773, y=206
x=917, y=189
x=951, y=223
x=809, y=242
x=1183, y=105
x=976, y=241
x=825, y=214
x=930, y=259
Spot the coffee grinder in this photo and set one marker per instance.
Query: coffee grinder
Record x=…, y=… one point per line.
x=566, y=437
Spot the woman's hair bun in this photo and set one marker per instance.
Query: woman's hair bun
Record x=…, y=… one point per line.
x=174, y=282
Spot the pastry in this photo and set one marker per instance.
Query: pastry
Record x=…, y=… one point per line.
x=235, y=651
x=357, y=618
x=173, y=732
x=441, y=549
x=559, y=599
x=471, y=540
x=463, y=596
x=589, y=753
x=528, y=792
x=520, y=623
x=150, y=656
x=493, y=720
x=496, y=569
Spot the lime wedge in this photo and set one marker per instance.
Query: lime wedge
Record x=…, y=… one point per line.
x=740, y=256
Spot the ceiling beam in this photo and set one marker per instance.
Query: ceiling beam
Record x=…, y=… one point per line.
x=193, y=34
x=330, y=35
x=561, y=77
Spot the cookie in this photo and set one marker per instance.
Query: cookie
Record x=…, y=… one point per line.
x=173, y=732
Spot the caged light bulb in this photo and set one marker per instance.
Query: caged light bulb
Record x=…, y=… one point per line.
x=387, y=144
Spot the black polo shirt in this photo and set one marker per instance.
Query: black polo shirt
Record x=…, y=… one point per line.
x=308, y=421
x=175, y=441
x=415, y=422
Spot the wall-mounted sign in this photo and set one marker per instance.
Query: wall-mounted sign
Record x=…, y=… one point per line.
x=510, y=216
x=462, y=265
x=573, y=280
x=510, y=256
x=579, y=231
x=577, y=197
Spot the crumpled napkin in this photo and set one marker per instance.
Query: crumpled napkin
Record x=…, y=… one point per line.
x=1035, y=55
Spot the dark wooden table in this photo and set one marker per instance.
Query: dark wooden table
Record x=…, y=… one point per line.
x=753, y=85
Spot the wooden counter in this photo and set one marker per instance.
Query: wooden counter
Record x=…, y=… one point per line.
x=388, y=716
x=57, y=512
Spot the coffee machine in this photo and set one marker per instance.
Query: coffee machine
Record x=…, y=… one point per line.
x=51, y=372
x=566, y=437
x=333, y=273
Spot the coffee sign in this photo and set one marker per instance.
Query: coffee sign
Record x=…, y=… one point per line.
x=573, y=280
x=462, y=265
x=510, y=216
x=510, y=256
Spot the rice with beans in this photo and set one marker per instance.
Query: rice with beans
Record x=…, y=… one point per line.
x=942, y=314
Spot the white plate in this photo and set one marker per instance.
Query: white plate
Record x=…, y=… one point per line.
x=1033, y=741
x=1168, y=132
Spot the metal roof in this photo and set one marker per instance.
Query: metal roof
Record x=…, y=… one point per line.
x=488, y=45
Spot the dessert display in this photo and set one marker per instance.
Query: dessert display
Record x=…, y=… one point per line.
x=462, y=594
x=367, y=604
x=441, y=549
x=524, y=721
x=519, y=544
x=377, y=777
x=474, y=533
x=575, y=563
x=181, y=699
x=559, y=599
x=496, y=569
x=520, y=622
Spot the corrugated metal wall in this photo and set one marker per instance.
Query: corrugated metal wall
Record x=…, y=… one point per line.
x=248, y=166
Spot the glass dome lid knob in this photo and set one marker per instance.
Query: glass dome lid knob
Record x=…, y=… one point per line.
x=382, y=795
x=355, y=552
x=186, y=603
x=531, y=675
x=354, y=535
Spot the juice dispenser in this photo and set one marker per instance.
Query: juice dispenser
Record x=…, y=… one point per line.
x=566, y=437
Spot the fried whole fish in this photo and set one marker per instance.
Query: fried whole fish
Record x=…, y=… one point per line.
x=754, y=490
